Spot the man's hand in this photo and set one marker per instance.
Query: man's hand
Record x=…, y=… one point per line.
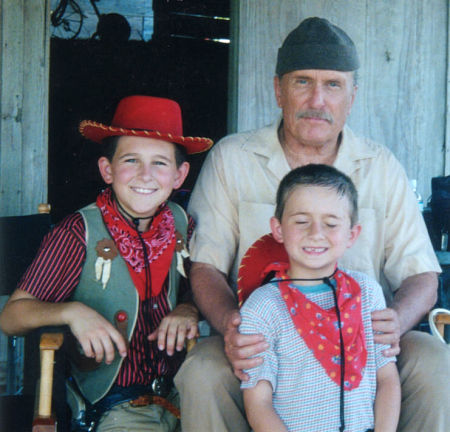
x=175, y=327
x=386, y=328
x=96, y=335
x=239, y=348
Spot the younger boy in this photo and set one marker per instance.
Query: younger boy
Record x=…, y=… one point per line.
x=322, y=371
x=111, y=270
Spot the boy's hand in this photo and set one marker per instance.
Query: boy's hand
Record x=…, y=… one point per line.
x=386, y=328
x=176, y=327
x=239, y=348
x=96, y=335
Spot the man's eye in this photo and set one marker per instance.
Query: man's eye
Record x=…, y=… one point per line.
x=334, y=84
x=331, y=225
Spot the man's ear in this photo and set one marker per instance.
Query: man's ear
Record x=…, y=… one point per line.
x=275, y=227
x=182, y=172
x=355, y=231
x=104, y=166
x=277, y=89
x=353, y=96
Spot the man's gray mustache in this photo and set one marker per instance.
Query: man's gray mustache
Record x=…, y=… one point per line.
x=316, y=114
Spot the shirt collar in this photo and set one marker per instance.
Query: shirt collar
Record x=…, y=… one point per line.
x=265, y=142
x=352, y=150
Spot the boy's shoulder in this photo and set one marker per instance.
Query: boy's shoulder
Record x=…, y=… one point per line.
x=265, y=295
x=72, y=225
x=371, y=290
x=362, y=278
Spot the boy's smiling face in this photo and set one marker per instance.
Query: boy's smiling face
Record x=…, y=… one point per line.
x=143, y=173
x=316, y=230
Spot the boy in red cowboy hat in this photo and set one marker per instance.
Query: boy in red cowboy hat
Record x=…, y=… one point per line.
x=111, y=271
x=322, y=371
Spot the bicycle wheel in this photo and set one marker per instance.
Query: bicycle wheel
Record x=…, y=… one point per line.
x=68, y=26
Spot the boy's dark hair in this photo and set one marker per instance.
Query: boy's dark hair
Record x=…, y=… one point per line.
x=317, y=175
x=109, y=146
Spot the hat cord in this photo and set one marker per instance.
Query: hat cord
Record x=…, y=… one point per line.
x=328, y=282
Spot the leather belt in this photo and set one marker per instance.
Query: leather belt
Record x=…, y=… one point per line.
x=149, y=399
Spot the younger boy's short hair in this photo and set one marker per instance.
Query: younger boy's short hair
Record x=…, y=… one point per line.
x=109, y=146
x=318, y=175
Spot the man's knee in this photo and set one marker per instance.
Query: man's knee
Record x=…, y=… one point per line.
x=424, y=359
x=205, y=366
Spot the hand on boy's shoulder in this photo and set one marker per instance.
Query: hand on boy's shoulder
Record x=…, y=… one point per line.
x=386, y=328
x=176, y=327
x=240, y=348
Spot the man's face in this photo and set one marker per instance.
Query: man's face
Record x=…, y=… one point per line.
x=315, y=105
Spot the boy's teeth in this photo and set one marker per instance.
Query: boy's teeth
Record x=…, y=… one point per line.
x=311, y=249
x=143, y=190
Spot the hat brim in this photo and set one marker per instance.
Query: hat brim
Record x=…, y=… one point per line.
x=266, y=250
x=97, y=132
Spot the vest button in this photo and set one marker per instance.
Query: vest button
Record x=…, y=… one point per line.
x=121, y=316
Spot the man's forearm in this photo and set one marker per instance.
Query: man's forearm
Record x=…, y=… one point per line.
x=212, y=294
x=415, y=297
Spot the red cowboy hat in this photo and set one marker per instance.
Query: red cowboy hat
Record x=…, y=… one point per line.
x=252, y=271
x=149, y=117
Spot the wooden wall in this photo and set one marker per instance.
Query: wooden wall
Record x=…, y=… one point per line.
x=23, y=105
x=403, y=48
x=402, y=100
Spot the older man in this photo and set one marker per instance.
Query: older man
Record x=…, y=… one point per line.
x=234, y=198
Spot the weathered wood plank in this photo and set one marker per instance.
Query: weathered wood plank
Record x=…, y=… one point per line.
x=446, y=148
x=11, y=106
x=35, y=118
x=404, y=84
x=23, y=105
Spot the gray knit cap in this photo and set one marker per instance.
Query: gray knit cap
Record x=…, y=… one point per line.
x=317, y=44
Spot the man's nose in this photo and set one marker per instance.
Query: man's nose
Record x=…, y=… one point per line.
x=317, y=96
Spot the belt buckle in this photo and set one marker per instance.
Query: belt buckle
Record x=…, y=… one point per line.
x=161, y=386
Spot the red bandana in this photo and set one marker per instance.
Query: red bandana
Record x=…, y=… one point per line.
x=319, y=327
x=159, y=240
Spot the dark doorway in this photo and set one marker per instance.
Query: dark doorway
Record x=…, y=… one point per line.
x=183, y=61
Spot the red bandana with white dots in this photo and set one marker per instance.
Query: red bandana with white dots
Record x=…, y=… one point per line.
x=319, y=327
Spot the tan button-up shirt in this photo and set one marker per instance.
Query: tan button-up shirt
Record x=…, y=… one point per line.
x=234, y=199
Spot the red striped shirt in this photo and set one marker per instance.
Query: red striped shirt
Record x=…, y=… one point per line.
x=55, y=273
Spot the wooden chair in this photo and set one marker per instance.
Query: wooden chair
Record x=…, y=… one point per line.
x=437, y=319
x=20, y=238
x=44, y=420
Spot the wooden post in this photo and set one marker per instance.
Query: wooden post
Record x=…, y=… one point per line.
x=44, y=422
